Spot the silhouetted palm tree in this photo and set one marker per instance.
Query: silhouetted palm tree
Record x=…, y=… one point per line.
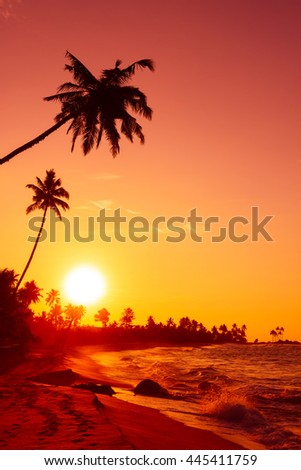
x=234, y=331
x=279, y=330
x=30, y=293
x=53, y=297
x=55, y=314
x=215, y=333
x=273, y=334
x=8, y=279
x=127, y=318
x=103, y=316
x=8, y=301
x=94, y=105
x=150, y=322
x=185, y=323
x=47, y=195
x=73, y=315
x=14, y=309
x=171, y=323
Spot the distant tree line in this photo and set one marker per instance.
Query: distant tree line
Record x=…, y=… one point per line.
x=277, y=333
x=186, y=330
x=21, y=325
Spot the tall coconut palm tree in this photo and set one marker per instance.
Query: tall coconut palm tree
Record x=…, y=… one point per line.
x=94, y=106
x=47, y=195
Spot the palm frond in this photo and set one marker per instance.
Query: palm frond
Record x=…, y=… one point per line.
x=80, y=73
x=90, y=131
x=127, y=130
x=69, y=86
x=112, y=136
x=41, y=184
x=100, y=132
x=118, y=76
x=67, y=96
x=33, y=207
x=141, y=64
x=129, y=126
x=61, y=192
x=127, y=73
x=56, y=211
x=76, y=126
x=58, y=202
x=139, y=133
x=33, y=187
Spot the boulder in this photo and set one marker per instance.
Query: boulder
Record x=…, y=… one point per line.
x=151, y=388
x=64, y=377
x=96, y=388
x=209, y=387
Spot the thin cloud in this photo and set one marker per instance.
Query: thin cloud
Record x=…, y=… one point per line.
x=103, y=203
x=107, y=204
x=132, y=212
x=7, y=8
x=84, y=208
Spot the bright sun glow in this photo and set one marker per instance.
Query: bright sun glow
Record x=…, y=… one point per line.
x=84, y=285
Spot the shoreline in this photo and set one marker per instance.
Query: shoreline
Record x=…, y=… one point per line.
x=40, y=410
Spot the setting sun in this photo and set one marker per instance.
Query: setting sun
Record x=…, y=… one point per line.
x=84, y=285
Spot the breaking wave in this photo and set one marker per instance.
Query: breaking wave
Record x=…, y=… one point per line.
x=251, y=391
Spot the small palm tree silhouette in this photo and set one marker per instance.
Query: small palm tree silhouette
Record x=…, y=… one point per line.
x=30, y=293
x=273, y=333
x=53, y=297
x=95, y=105
x=47, y=195
x=103, y=316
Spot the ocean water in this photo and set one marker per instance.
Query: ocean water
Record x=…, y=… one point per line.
x=250, y=394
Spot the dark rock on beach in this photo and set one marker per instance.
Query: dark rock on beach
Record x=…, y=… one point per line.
x=209, y=387
x=96, y=388
x=58, y=377
x=151, y=388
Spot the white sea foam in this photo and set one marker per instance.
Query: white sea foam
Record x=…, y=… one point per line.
x=250, y=390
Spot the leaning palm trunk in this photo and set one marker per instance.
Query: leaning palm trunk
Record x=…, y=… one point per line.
x=35, y=141
x=95, y=105
x=33, y=251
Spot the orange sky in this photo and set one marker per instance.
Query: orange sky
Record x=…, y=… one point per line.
x=225, y=136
